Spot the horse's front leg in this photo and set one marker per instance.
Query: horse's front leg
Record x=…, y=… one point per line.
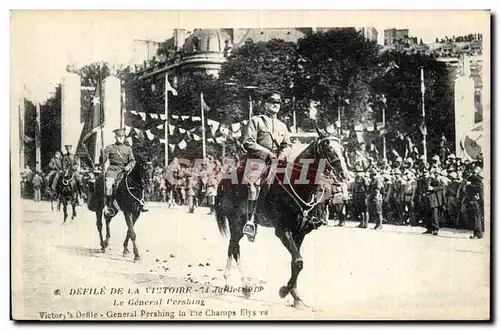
x=130, y=219
x=108, y=233
x=292, y=244
x=65, y=209
x=73, y=206
x=99, y=229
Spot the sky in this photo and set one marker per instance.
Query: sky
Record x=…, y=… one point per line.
x=43, y=43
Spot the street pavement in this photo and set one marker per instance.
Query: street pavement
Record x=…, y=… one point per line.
x=349, y=273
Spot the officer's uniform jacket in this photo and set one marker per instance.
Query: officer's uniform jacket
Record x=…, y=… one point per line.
x=121, y=158
x=265, y=135
x=375, y=189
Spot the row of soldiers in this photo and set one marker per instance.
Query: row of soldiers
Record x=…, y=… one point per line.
x=414, y=193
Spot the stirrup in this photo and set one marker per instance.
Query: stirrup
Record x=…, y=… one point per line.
x=108, y=211
x=249, y=230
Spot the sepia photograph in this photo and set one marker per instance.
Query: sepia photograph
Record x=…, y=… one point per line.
x=250, y=165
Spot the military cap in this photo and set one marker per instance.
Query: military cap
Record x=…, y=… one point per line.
x=422, y=158
x=435, y=157
x=409, y=160
x=273, y=97
x=119, y=132
x=451, y=156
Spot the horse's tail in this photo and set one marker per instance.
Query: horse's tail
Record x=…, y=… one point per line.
x=221, y=218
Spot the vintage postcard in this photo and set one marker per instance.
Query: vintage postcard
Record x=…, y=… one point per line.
x=250, y=165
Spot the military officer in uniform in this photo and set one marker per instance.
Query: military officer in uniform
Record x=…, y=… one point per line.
x=266, y=138
x=55, y=166
x=69, y=162
x=375, y=190
x=121, y=159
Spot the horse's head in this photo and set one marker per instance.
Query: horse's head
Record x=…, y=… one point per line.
x=328, y=147
x=140, y=171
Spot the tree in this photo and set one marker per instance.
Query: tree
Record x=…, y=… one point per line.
x=339, y=66
x=403, y=92
x=271, y=65
x=50, y=126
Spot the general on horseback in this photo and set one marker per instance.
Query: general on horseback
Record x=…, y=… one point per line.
x=266, y=138
x=288, y=200
x=121, y=161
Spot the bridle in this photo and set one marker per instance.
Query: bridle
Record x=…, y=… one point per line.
x=304, y=206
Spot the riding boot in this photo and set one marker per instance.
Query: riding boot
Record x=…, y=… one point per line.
x=108, y=206
x=144, y=208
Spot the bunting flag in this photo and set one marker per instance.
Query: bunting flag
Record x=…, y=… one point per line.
x=162, y=141
x=143, y=115
x=150, y=135
x=184, y=117
x=153, y=115
x=134, y=112
x=220, y=139
x=224, y=130
x=196, y=118
x=182, y=145
x=162, y=116
x=210, y=140
x=245, y=122
x=160, y=126
x=171, y=129
x=175, y=116
x=196, y=137
x=181, y=130
x=236, y=127
x=171, y=147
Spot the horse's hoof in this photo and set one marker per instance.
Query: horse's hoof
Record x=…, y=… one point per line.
x=284, y=291
x=137, y=258
x=247, y=292
x=298, y=304
x=126, y=253
x=103, y=250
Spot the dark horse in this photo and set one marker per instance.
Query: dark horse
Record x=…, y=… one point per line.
x=129, y=191
x=286, y=203
x=67, y=192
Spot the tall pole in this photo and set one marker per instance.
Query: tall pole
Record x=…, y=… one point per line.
x=294, y=115
x=166, y=122
x=424, y=140
x=22, y=104
x=384, y=148
x=250, y=106
x=202, y=127
x=38, y=153
x=338, y=117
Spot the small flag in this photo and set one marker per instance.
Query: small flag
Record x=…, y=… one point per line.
x=184, y=117
x=423, y=128
x=168, y=87
x=204, y=105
